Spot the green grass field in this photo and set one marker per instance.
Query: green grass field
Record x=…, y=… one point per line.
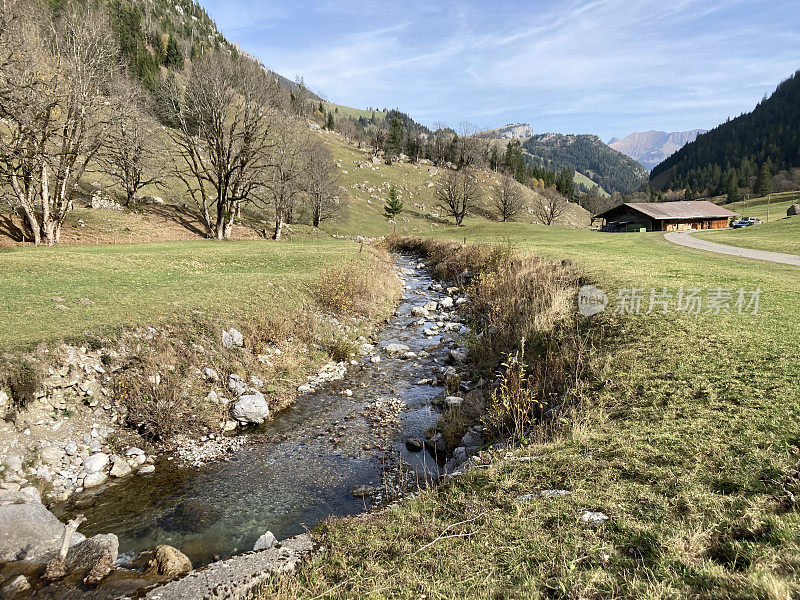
x=355, y=113
x=688, y=440
x=777, y=236
x=588, y=183
x=775, y=205
x=132, y=284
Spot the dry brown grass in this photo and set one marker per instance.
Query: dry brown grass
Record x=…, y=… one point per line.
x=353, y=290
x=524, y=327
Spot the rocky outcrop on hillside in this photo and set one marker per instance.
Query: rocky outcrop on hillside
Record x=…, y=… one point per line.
x=517, y=131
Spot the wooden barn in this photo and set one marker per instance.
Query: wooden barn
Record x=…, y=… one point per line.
x=664, y=216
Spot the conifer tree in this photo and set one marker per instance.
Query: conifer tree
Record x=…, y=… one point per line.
x=331, y=123
x=394, y=206
x=173, y=57
x=763, y=184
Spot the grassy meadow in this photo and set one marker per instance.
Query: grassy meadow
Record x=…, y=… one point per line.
x=776, y=236
x=131, y=284
x=688, y=439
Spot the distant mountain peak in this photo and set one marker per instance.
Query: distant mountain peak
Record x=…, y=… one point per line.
x=650, y=148
x=514, y=131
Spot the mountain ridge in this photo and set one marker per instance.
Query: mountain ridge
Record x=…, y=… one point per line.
x=649, y=148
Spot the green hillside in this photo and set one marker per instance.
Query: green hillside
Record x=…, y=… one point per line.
x=768, y=135
x=588, y=155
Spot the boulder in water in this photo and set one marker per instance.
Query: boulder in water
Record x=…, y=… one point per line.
x=168, y=562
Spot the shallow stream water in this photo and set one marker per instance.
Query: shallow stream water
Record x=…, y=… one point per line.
x=301, y=466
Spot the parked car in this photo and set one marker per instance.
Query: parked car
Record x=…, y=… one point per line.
x=746, y=222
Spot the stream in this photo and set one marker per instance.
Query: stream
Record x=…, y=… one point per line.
x=300, y=467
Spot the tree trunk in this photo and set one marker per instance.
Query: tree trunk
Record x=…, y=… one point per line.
x=50, y=232
x=278, y=228
x=219, y=230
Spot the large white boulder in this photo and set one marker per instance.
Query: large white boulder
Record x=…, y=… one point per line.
x=251, y=408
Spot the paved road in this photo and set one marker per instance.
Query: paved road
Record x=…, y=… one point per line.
x=684, y=239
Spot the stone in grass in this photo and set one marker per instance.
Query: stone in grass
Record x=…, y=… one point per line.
x=231, y=338
x=591, y=518
x=544, y=494
x=265, y=542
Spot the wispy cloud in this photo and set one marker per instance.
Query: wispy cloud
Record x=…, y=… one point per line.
x=602, y=66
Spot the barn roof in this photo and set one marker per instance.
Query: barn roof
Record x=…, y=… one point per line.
x=666, y=211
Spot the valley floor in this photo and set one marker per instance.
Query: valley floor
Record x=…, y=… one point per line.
x=688, y=439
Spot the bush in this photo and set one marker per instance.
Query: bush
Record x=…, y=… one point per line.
x=23, y=378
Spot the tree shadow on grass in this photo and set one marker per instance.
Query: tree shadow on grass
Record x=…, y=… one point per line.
x=183, y=217
x=10, y=229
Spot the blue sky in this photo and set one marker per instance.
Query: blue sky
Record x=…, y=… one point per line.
x=608, y=67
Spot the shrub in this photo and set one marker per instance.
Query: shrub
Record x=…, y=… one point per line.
x=22, y=377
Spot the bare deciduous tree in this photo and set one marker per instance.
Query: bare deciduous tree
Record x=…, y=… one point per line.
x=55, y=113
x=508, y=198
x=283, y=182
x=457, y=192
x=549, y=207
x=319, y=182
x=131, y=157
x=224, y=137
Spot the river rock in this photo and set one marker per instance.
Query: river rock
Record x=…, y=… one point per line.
x=363, y=491
x=251, y=408
x=453, y=401
x=23, y=496
x=168, y=562
x=231, y=338
x=134, y=451
x=414, y=444
x=473, y=438
x=52, y=455
x=446, y=303
x=16, y=586
x=94, y=558
x=431, y=306
x=396, y=349
x=265, y=542
x=147, y=469
x=419, y=311
x=94, y=479
x=119, y=467
x=457, y=357
x=95, y=463
x=13, y=462
x=30, y=532
x=436, y=444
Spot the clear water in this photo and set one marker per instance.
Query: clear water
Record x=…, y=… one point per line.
x=291, y=477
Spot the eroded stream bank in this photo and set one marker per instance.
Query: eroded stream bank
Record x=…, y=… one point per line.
x=334, y=452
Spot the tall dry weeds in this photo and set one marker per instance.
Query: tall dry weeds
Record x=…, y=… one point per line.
x=525, y=329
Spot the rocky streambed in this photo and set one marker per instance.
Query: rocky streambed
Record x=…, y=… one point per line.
x=359, y=434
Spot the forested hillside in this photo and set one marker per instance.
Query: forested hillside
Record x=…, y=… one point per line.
x=588, y=155
x=764, y=141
